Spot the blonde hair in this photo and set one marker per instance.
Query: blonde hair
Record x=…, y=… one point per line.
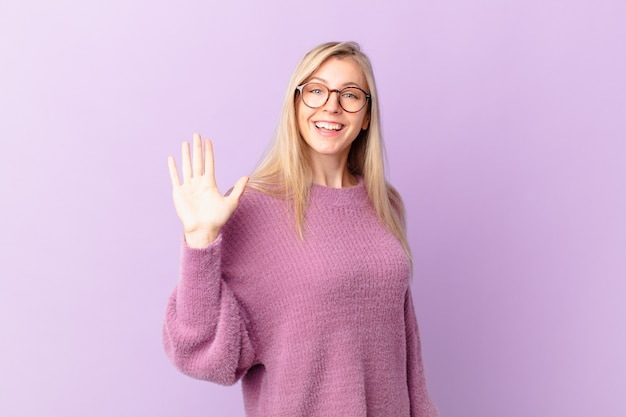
x=285, y=171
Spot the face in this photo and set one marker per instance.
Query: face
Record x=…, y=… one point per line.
x=329, y=130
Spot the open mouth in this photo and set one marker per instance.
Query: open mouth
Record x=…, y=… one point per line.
x=328, y=126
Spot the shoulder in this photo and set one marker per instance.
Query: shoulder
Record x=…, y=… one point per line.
x=395, y=199
x=253, y=197
x=259, y=220
x=257, y=206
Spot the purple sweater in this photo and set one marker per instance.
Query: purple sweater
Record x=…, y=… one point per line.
x=320, y=327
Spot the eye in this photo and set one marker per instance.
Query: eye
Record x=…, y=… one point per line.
x=315, y=90
x=351, y=94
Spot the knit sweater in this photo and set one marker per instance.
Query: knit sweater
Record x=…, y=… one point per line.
x=323, y=326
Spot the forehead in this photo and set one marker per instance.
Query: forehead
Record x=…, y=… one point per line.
x=337, y=72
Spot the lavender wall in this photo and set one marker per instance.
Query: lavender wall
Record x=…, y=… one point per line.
x=506, y=133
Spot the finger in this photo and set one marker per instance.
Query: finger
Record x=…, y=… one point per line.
x=171, y=164
x=186, y=162
x=238, y=189
x=209, y=161
x=197, y=155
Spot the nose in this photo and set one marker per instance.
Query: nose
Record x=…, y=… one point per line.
x=332, y=104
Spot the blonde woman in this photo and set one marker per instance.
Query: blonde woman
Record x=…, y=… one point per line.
x=298, y=281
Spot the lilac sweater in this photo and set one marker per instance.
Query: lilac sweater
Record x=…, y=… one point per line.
x=320, y=327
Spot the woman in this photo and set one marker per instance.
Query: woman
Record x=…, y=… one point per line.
x=298, y=281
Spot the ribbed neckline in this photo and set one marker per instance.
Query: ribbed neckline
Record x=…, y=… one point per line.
x=348, y=196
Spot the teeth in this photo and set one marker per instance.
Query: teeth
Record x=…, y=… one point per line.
x=328, y=126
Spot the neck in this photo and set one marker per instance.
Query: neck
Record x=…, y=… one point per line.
x=333, y=173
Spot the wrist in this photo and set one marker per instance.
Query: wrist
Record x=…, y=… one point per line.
x=200, y=240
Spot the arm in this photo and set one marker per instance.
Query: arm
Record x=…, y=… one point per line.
x=421, y=404
x=205, y=333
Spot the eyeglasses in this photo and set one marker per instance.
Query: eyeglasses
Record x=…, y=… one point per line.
x=351, y=99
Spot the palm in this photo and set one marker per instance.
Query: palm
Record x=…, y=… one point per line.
x=202, y=209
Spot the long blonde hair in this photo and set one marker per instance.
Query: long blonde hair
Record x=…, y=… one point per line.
x=285, y=171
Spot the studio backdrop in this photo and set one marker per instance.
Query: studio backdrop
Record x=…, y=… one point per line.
x=505, y=132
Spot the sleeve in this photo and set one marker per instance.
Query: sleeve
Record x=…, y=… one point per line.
x=421, y=404
x=205, y=331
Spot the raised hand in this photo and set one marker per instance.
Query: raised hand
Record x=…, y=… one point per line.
x=201, y=207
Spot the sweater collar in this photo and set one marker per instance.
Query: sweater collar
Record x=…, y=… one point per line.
x=348, y=196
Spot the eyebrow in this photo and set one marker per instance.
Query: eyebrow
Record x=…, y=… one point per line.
x=348, y=84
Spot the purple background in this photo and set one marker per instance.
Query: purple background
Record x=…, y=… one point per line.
x=505, y=124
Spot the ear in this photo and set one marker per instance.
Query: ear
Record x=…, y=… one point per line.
x=366, y=122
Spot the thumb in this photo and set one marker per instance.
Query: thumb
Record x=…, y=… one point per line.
x=238, y=189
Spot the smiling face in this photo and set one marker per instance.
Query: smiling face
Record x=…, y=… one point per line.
x=329, y=130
